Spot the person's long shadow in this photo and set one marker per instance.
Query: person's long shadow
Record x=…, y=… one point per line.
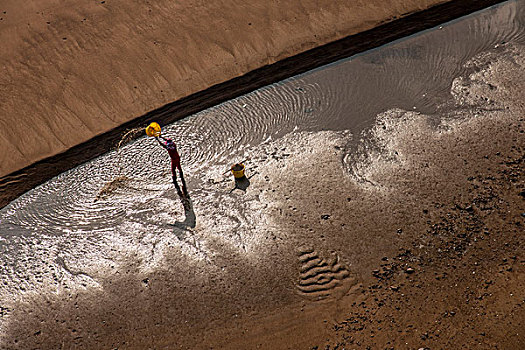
x=190, y=219
x=183, y=229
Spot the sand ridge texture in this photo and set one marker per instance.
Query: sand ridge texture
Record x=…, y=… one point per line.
x=73, y=70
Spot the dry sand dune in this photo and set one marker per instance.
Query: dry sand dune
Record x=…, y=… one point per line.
x=73, y=69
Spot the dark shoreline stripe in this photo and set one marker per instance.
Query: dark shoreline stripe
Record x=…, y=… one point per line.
x=21, y=181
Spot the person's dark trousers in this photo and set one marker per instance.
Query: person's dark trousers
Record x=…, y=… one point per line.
x=184, y=192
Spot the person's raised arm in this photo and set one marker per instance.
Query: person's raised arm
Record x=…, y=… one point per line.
x=160, y=142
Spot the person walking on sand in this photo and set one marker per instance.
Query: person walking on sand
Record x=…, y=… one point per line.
x=170, y=146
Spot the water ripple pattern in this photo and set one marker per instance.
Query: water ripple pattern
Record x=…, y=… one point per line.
x=414, y=73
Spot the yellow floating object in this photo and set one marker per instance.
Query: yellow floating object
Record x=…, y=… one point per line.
x=238, y=170
x=153, y=130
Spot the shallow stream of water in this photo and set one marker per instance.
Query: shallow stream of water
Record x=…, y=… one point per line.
x=68, y=224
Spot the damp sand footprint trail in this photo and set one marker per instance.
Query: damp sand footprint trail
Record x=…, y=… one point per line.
x=321, y=278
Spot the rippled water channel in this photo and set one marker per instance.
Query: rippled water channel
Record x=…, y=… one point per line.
x=67, y=224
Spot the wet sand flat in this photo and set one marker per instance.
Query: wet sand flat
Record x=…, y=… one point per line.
x=412, y=243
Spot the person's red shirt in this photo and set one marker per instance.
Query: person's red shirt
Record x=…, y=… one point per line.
x=172, y=151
